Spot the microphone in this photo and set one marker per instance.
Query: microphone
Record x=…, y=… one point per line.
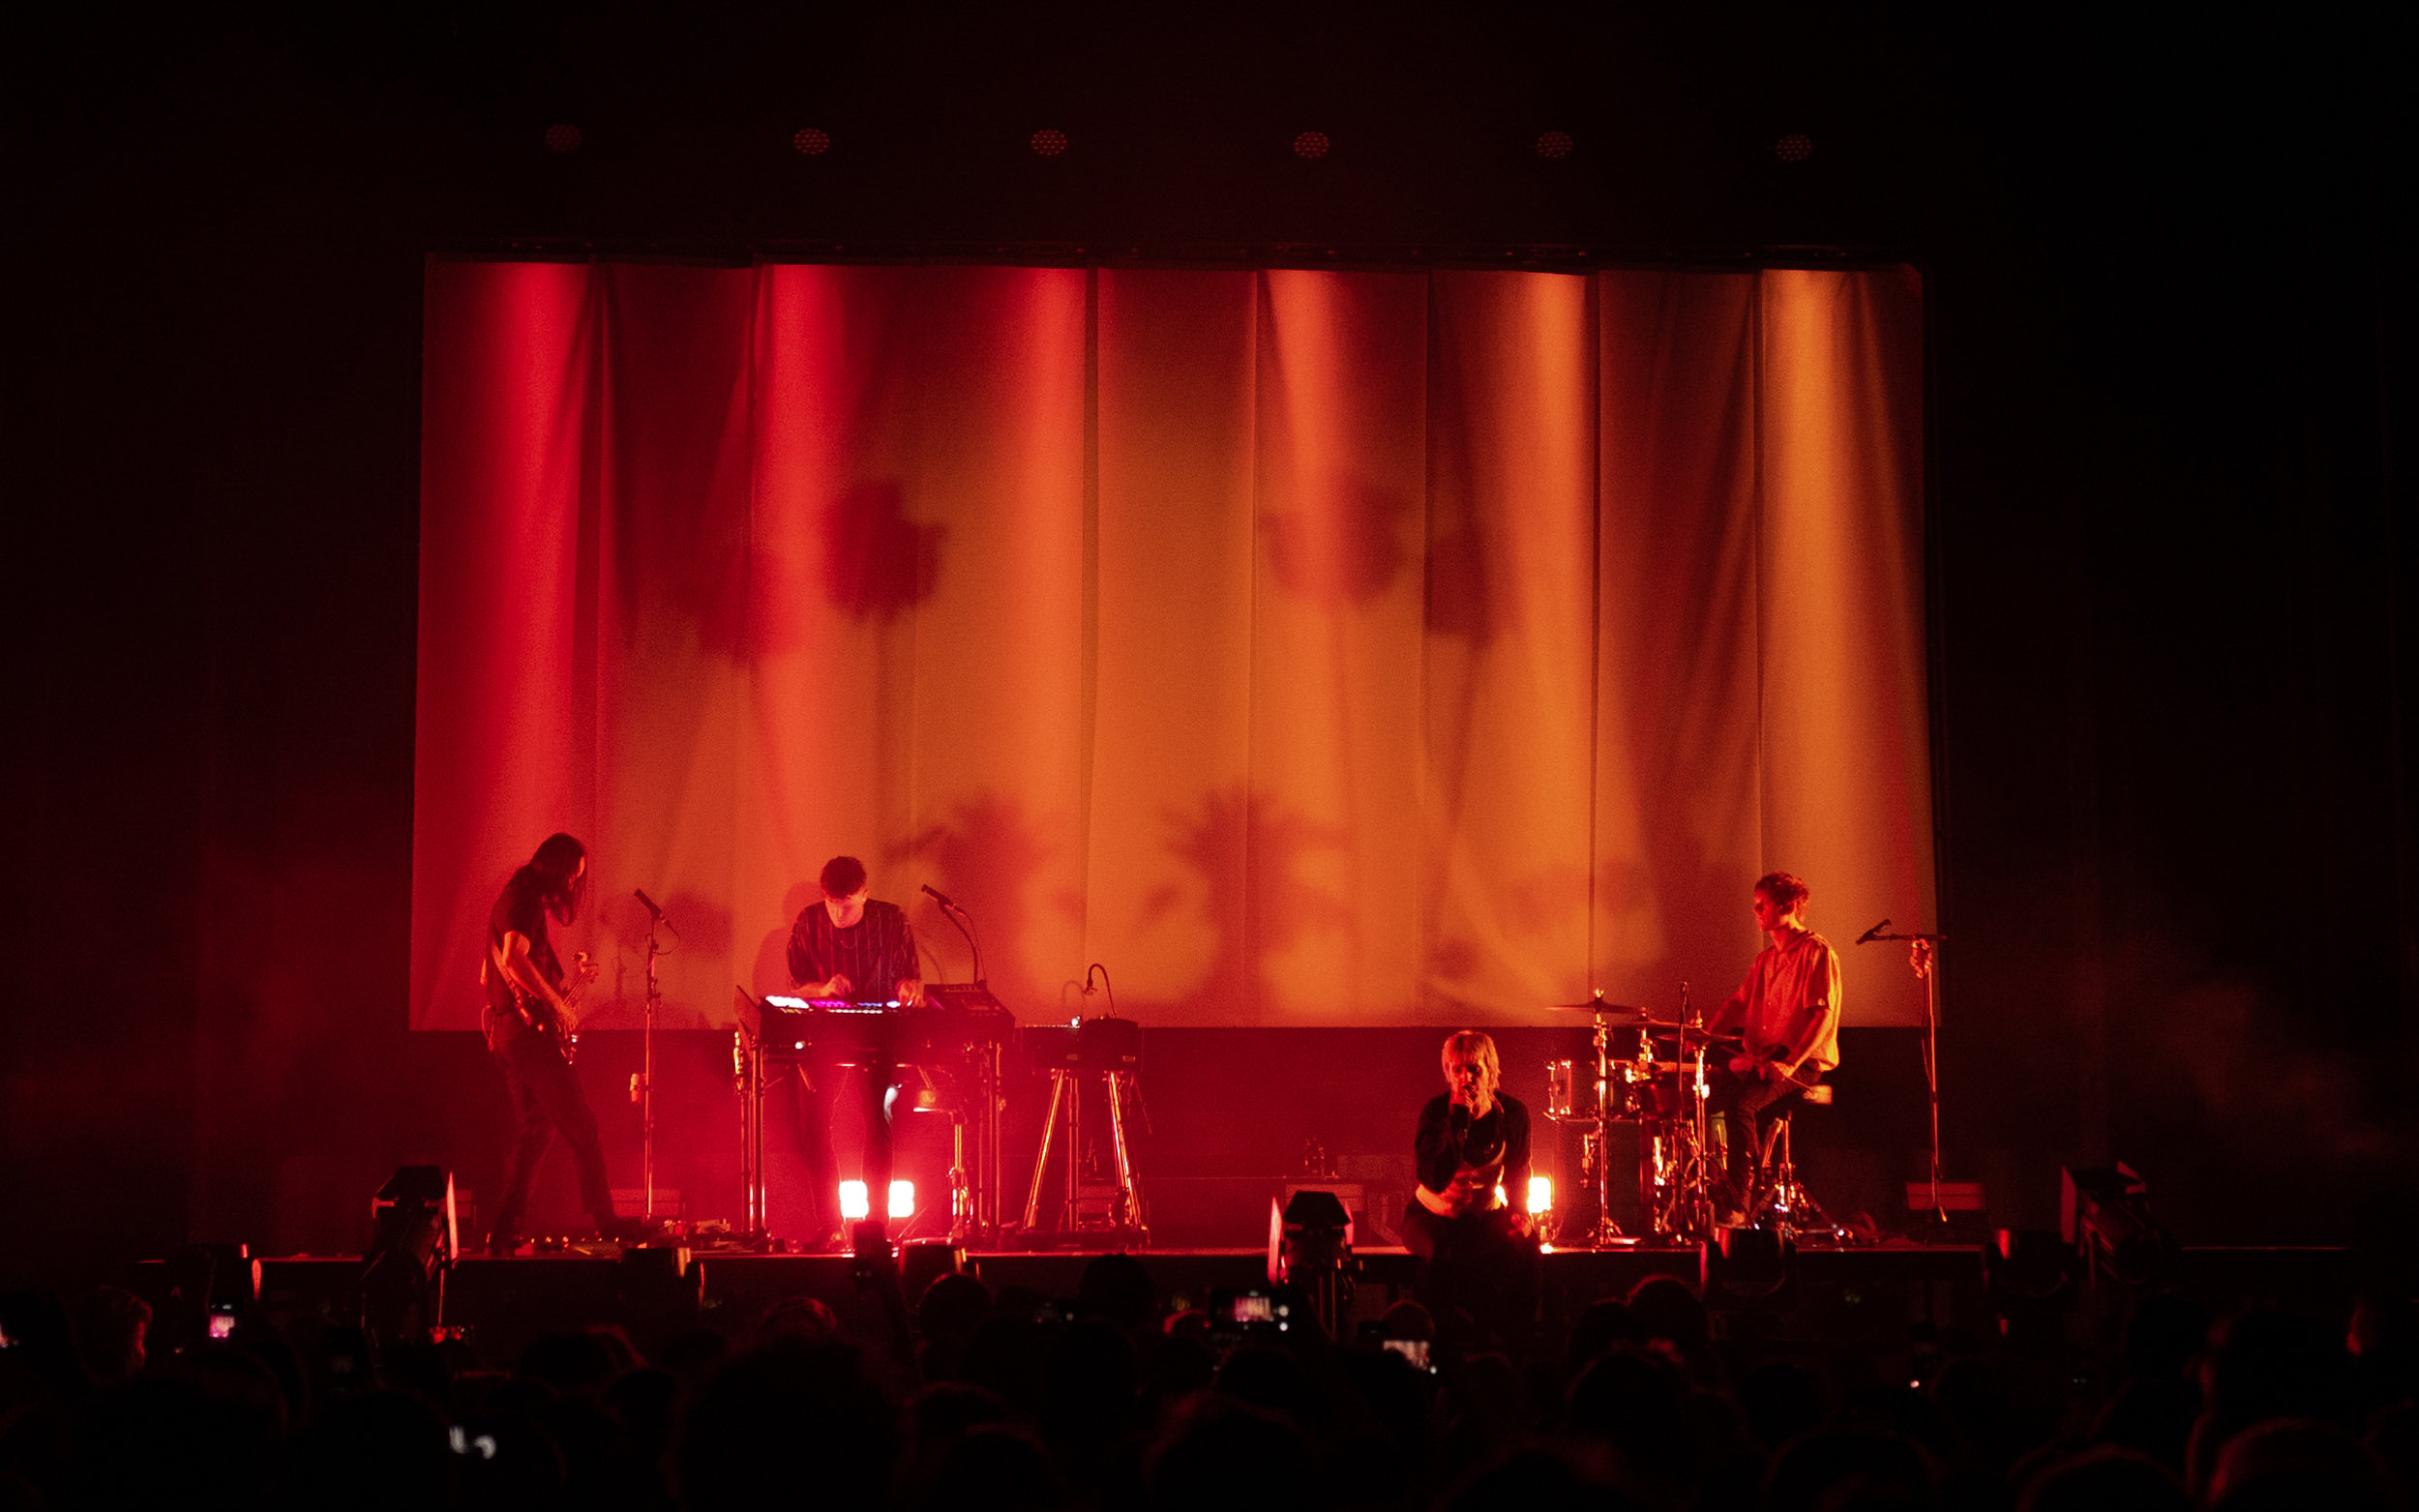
x=938, y=896
x=653, y=912
x=1868, y=936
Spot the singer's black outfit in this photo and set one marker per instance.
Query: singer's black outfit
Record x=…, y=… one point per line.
x=545, y=1092
x=875, y=954
x=1476, y=1272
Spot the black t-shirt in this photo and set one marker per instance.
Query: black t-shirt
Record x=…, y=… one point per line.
x=521, y=908
x=1494, y=1148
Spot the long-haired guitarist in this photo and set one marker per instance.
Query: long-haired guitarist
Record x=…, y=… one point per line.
x=1468, y=1224
x=1786, y=1015
x=530, y=1015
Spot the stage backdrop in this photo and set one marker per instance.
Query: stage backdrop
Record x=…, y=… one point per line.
x=1306, y=647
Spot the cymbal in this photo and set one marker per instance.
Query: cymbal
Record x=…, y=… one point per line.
x=1599, y=1005
x=1662, y=1030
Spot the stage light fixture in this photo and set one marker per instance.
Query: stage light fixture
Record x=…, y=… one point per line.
x=1311, y=1249
x=2105, y=1212
x=414, y=1237
x=1540, y=1195
x=1745, y=1264
x=852, y=1204
x=1311, y=144
x=2024, y=1269
x=811, y=143
x=1554, y=144
x=903, y=1200
x=562, y=136
x=1795, y=147
x=1049, y=142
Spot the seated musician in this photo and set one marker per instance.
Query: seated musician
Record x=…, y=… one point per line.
x=1786, y=1014
x=846, y=947
x=1468, y=1226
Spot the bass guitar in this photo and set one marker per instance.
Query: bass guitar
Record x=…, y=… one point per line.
x=559, y=1024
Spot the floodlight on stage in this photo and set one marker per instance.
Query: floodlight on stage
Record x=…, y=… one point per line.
x=1745, y=1264
x=2105, y=1212
x=414, y=1237
x=903, y=1200
x=852, y=1204
x=1500, y=1199
x=1311, y=145
x=1541, y=1195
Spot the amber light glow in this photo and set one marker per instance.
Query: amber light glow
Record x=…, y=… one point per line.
x=1319, y=648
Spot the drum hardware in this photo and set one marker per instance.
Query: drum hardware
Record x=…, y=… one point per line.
x=1662, y=1094
x=1663, y=1089
x=1608, y=1013
x=1782, y=1200
x=1577, y=1092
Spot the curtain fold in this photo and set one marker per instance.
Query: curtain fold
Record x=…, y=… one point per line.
x=1305, y=647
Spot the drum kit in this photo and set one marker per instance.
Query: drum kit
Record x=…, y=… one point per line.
x=1658, y=1082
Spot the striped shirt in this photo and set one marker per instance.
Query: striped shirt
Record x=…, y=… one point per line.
x=874, y=954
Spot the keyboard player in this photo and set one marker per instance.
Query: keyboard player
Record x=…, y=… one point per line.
x=847, y=947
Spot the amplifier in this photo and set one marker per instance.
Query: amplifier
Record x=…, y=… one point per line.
x=1086, y=1045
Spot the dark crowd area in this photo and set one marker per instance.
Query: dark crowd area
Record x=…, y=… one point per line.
x=1123, y=1398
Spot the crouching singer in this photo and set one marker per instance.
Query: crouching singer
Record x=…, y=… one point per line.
x=1468, y=1224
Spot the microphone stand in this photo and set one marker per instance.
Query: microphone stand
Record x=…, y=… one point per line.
x=956, y=916
x=976, y=1211
x=642, y=1086
x=1925, y=956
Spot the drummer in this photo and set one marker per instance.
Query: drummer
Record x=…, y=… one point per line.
x=1786, y=1015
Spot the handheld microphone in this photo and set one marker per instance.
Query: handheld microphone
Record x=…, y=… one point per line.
x=1868, y=936
x=938, y=896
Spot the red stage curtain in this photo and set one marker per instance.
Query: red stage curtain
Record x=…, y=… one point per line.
x=1307, y=647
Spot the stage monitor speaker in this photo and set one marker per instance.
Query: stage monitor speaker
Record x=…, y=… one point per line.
x=414, y=1236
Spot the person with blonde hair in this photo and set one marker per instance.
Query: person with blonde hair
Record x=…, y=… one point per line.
x=1468, y=1226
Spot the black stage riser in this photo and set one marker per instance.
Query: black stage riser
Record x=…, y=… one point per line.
x=1867, y=1303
